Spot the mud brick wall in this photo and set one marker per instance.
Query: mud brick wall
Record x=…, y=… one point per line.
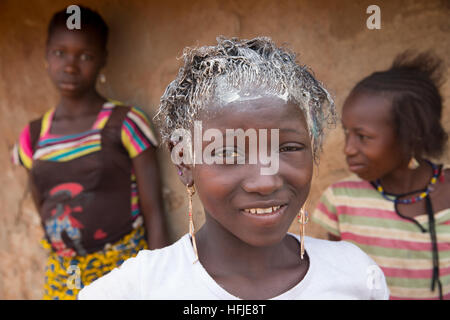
x=145, y=40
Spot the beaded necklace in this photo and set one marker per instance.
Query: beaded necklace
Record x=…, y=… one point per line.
x=424, y=194
x=415, y=199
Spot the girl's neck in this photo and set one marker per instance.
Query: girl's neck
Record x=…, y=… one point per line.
x=404, y=180
x=88, y=103
x=223, y=254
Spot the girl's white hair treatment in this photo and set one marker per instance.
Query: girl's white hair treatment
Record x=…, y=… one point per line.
x=231, y=71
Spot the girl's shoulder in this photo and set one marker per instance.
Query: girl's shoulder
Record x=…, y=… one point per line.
x=333, y=250
x=149, y=267
x=352, y=181
x=335, y=253
x=349, y=186
x=349, y=270
x=342, y=259
x=161, y=258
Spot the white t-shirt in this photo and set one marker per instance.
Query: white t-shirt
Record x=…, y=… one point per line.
x=337, y=270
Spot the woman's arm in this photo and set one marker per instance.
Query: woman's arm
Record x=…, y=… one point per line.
x=150, y=199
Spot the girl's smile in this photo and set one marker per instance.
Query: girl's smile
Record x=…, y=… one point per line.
x=265, y=217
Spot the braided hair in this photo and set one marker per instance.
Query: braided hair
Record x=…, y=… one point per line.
x=412, y=83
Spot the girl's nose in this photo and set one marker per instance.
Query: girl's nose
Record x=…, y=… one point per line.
x=71, y=65
x=349, y=147
x=262, y=184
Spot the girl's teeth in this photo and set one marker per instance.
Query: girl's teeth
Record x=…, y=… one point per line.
x=262, y=210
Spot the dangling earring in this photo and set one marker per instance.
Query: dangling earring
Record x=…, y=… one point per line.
x=303, y=220
x=102, y=78
x=191, y=192
x=413, y=164
x=46, y=65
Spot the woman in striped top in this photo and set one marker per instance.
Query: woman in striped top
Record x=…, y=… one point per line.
x=92, y=166
x=396, y=206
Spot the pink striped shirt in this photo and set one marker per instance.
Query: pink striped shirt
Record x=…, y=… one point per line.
x=354, y=211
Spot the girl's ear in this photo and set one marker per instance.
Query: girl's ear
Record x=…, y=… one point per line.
x=185, y=174
x=184, y=170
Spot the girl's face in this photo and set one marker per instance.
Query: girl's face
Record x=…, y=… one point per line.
x=257, y=209
x=74, y=60
x=371, y=147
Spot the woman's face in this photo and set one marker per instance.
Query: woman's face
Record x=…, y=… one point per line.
x=74, y=60
x=258, y=209
x=371, y=147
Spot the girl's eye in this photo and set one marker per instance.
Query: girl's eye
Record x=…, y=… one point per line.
x=291, y=148
x=58, y=53
x=85, y=57
x=227, y=153
x=362, y=137
x=228, y=156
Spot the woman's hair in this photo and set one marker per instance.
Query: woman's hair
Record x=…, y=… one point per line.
x=89, y=20
x=412, y=83
x=213, y=74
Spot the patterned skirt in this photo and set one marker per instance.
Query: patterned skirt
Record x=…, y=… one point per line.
x=66, y=276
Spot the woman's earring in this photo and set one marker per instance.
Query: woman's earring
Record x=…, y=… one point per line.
x=413, y=164
x=303, y=220
x=46, y=65
x=191, y=192
x=102, y=78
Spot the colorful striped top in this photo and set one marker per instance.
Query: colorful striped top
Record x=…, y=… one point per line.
x=354, y=211
x=136, y=137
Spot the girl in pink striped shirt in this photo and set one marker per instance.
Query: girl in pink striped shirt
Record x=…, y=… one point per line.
x=396, y=206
